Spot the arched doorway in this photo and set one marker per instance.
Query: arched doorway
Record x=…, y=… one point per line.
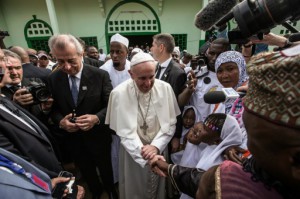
x=135, y=20
x=37, y=32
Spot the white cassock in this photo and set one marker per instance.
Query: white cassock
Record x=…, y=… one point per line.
x=136, y=181
x=116, y=76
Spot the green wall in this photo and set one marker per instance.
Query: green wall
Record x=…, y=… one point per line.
x=84, y=18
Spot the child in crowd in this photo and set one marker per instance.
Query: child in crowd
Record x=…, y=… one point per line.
x=189, y=118
x=207, y=141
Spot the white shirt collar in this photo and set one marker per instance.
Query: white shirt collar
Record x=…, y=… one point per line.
x=78, y=75
x=165, y=64
x=9, y=85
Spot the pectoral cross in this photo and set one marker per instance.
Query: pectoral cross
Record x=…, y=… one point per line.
x=144, y=127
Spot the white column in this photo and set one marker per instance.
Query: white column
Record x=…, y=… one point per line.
x=52, y=16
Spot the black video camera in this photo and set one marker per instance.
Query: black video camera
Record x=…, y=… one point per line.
x=259, y=16
x=39, y=92
x=4, y=33
x=256, y=17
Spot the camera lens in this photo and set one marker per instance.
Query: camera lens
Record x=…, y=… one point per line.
x=255, y=16
x=42, y=95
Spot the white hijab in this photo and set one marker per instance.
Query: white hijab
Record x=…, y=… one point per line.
x=231, y=135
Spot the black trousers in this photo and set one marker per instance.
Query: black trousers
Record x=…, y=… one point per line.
x=91, y=150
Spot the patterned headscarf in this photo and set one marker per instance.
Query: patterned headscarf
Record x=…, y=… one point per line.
x=236, y=57
x=274, y=87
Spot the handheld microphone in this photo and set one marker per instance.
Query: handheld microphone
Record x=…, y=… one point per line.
x=212, y=13
x=227, y=95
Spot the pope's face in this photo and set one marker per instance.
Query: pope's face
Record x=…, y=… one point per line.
x=144, y=76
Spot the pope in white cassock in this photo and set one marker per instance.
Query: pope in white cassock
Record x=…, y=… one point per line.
x=142, y=111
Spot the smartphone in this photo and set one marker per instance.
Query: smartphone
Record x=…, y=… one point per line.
x=58, y=190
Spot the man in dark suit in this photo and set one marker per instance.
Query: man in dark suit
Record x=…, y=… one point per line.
x=81, y=94
x=23, y=138
x=169, y=71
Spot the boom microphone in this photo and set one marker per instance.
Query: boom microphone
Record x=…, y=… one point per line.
x=227, y=95
x=213, y=12
x=294, y=37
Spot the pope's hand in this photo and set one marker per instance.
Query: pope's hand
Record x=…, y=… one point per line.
x=149, y=151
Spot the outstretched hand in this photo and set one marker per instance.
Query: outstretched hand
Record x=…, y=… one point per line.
x=159, y=165
x=233, y=153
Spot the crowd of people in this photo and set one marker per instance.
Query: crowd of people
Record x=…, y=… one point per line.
x=135, y=124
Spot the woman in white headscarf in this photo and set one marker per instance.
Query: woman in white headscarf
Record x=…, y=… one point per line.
x=230, y=68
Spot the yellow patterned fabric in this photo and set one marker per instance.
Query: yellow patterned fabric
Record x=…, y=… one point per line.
x=274, y=88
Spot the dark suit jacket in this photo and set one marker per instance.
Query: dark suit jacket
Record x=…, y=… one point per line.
x=21, y=140
x=18, y=186
x=31, y=71
x=93, y=62
x=94, y=90
x=176, y=77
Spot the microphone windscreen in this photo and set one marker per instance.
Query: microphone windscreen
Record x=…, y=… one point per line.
x=214, y=97
x=294, y=37
x=213, y=12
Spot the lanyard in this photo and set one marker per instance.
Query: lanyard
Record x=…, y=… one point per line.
x=20, y=170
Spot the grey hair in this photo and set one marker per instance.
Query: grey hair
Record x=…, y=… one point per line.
x=8, y=53
x=62, y=41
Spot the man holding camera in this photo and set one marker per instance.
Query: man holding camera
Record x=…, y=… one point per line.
x=26, y=138
x=30, y=93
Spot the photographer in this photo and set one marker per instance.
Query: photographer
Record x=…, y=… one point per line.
x=30, y=93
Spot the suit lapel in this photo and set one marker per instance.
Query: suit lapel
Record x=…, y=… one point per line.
x=14, y=121
x=167, y=71
x=84, y=84
x=65, y=89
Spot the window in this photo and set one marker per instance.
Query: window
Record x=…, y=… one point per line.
x=180, y=40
